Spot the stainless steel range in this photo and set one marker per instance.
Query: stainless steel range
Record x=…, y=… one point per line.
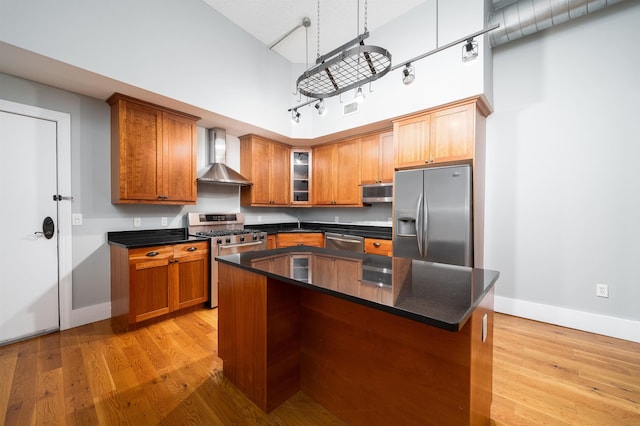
x=228, y=235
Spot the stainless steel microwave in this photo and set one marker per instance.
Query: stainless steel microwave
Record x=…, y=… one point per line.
x=377, y=193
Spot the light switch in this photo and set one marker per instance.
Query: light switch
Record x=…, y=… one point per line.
x=76, y=218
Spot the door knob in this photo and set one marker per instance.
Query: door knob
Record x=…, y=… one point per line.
x=48, y=228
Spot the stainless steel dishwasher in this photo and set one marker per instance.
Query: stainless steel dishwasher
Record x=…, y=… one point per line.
x=343, y=242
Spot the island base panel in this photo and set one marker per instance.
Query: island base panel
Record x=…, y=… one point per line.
x=370, y=367
x=259, y=346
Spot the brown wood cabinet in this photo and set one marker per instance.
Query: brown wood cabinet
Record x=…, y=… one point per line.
x=265, y=163
x=153, y=153
x=276, y=264
x=271, y=241
x=336, y=174
x=289, y=239
x=441, y=135
x=150, y=282
x=376, y=158
x=378, y=246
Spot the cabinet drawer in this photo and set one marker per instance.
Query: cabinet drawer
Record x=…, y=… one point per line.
x=190, y=249
x=376, y=246
x=150, y=254
x=315, y=239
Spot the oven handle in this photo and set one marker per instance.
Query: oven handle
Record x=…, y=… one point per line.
x=255, y=243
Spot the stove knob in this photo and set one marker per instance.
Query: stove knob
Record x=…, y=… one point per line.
x=255, y=237
x=241, y=238
x=262, y=237
x=218, y=241
x=228, y=240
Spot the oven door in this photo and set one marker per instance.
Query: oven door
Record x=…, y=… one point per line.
x=223, y=250
x=226, y=249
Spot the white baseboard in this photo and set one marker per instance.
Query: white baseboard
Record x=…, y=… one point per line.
x=90, y=314
x=580, y=320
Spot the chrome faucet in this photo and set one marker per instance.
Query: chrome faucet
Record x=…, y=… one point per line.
x=298, y=223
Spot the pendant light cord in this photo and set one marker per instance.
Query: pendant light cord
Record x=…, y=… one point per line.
x=318, y=30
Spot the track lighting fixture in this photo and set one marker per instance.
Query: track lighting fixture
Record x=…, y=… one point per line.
x=354, y=64
x=321, y=108
x=469, y=50
x=408, y=74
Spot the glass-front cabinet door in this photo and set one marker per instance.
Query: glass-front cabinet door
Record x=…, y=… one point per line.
x=300, y=176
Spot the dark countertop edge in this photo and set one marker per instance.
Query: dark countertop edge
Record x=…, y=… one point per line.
x=454, y=327
x=367, y=231
x=151, y=238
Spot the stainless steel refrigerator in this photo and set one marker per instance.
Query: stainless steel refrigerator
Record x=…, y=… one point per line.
x=433, y=215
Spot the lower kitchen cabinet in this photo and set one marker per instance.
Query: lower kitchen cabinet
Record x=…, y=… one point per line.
x=150, y=282
x=377, y=246
x=289, y=239
x=271, y=242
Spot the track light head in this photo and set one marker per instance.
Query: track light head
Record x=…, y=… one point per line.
x=408, y=74
x=359, y=95
x=469, y=50
x=295, y=116
x=320, y=107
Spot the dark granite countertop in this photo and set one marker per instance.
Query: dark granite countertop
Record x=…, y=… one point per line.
x=437, y=294
x=367, y=231
x=151, y=237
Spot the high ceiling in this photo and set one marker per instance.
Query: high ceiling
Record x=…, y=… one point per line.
x=269, y=20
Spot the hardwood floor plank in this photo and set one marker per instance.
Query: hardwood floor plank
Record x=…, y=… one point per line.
x=50, y=405
x=8, y=362
x=21, y=403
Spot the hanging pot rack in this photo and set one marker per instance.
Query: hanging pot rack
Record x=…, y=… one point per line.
x=351, y=65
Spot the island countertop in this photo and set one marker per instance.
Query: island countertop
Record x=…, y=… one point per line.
x=440, y=295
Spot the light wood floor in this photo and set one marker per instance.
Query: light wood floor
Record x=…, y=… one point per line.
x=169, y=373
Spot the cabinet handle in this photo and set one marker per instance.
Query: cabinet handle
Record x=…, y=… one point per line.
x=173, y=261
x=152, y=253
x=192, y=249
x=163, y=197
x=376, y=244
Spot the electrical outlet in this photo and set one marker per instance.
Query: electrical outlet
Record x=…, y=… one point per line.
x=337, y=219
x=163, y=221
x=259, y=219
x=137, y=222
x=602, y=290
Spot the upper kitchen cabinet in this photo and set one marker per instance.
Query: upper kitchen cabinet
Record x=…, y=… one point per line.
x=446, y=134
x=153, y=153
x=265, y=163
x=300, y=176
x=376, y=158
x=336, y=174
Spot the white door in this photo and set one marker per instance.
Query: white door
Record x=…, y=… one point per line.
x=29, y=281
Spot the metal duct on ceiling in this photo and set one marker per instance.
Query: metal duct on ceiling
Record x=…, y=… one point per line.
x=525, y=17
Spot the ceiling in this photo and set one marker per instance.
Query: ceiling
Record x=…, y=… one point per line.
x=269, y=20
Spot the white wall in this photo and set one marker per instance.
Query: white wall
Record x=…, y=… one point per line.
x=186, y=51
x=563, y=190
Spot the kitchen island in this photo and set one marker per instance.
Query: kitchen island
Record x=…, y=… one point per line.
x=375, y=340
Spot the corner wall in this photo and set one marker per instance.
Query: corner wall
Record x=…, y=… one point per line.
x=562, y=190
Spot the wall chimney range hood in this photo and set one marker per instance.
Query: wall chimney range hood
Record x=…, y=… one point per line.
x=218, y=172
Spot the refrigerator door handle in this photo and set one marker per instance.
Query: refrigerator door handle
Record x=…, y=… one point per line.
x=425, y=219
x=419, y=226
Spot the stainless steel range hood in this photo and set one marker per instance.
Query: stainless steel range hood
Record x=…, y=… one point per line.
x=218, y=172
